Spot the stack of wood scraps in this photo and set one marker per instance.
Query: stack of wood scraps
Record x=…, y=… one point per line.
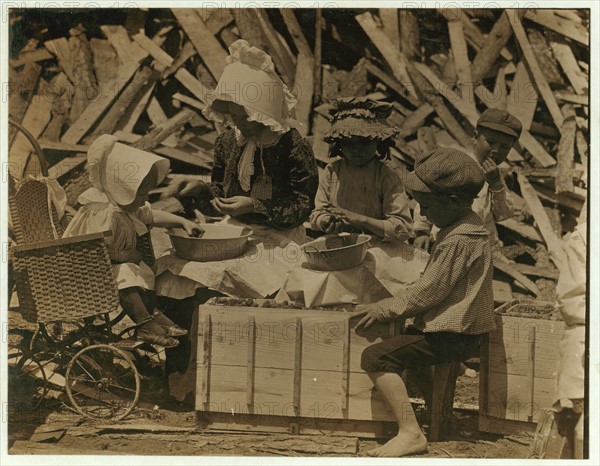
x=440, y=68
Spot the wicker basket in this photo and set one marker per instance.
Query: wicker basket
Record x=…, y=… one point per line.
x=65, y=279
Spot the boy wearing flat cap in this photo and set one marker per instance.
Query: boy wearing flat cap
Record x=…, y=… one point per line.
x=448, y=309
x=496, y=133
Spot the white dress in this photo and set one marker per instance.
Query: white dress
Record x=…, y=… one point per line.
x=97, y=217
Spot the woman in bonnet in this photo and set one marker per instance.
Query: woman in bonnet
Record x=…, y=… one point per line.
x=264, y=172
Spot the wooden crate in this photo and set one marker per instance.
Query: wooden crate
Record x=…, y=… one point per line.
x=518, y=371
x=287, y=370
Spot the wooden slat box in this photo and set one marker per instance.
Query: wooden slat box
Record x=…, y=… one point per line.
x=518, y=370
x=287, y=370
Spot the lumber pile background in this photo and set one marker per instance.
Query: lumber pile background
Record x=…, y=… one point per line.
x=143, y=74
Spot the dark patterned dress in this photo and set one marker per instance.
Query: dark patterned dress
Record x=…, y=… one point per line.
x=291, y=169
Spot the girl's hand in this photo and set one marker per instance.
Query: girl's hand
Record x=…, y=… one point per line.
x=422, y=242
x=373, y=313
x=234, y=206
x=192, y=228
x=347, y=216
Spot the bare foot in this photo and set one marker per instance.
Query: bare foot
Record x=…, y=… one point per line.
x=401, y=445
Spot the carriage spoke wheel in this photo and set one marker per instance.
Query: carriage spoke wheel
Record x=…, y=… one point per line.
x=102, y=382
x=27, y=381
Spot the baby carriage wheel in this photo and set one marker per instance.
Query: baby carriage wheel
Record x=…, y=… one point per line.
x=102, y=382
x=27, y=381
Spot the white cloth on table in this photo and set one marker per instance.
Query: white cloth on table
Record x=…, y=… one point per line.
x=386, y=270
x=258, y=273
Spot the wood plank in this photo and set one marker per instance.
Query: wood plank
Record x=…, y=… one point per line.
x=415, y=120
x=522, y=229
x=250, y=362
x=500, y=91
x=462, y=66
x=509, y=398
x=507, y=268
x=346, y=365
x=60, y=49
x=186, y=52
x=510, y=346
x=30, y=56
x=106, y=60
x=295, y=30
x=492, y=47
x=204, y=361
x=568, y=63
x=219, y=19
x=505, y=427
x=318, y=54
x=198, y=159
x=162, y=131
x=303, y=89
x=320, y=148
x=389, y=19
x=189, y=100
x=426, y=139
x=110, y=90
x=209, y=48
x=129, y=120
x=392, y=83
x=392, y=55
x=468, y=111
x=298, y=367
x=537, y=271
x=534, y=68
x=182, y=75
x=61, y=146
x=143, y=81
x=549, y=19
x=84, y=78
x=545, y=58
x=573, y=98
x=127, y=50
x=582, y=149
x=541, y=218
x=66, y=165
x=21, y=89
x=409, y=34
x=472, y=33
x=523, y=97
x=502, y=292
x=566, y=151
x=35, y=120
x=284, y=60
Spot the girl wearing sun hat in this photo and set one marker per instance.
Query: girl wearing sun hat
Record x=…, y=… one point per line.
x=359, y=192
x=125, y=175
x=264, y=171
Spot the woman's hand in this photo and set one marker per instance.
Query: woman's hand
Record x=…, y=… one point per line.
x=234, y=206
x=373, y=313
x=192, y=228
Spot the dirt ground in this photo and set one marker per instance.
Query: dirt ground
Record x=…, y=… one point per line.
x=54, y=429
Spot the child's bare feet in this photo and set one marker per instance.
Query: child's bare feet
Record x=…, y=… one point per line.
x=403, y=444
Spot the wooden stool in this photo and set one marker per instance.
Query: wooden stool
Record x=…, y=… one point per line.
x=444, y=384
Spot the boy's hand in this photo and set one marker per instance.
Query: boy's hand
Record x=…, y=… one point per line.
x=422, y=242
x=374, y=313
x=491, y=172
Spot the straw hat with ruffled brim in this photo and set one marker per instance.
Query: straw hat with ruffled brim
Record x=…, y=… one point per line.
x=360, y=116
x=118, y=169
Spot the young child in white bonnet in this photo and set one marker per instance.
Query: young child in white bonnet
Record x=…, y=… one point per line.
x=126, y=175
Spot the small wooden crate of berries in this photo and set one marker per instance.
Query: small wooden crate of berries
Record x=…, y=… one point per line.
x=519, y=366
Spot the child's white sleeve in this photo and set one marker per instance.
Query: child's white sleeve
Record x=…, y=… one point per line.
x=322, y=198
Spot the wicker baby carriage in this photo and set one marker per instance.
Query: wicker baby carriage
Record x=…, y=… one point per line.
x=66, y=286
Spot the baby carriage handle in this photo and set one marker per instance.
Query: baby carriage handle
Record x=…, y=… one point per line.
x=36, y=148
